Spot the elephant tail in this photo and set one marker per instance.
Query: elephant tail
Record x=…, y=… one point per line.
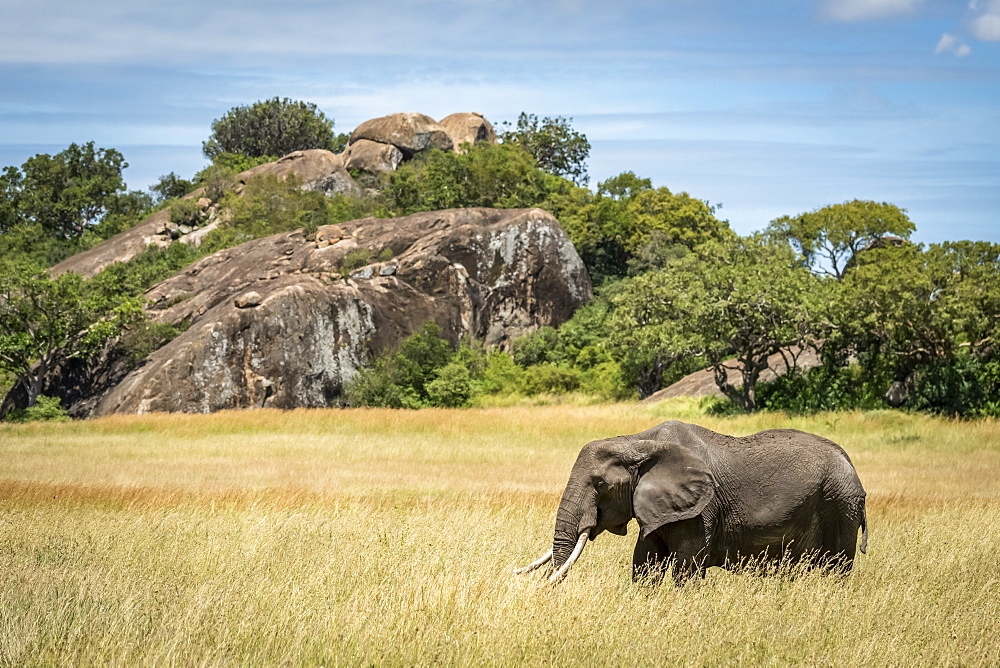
x=864, y=531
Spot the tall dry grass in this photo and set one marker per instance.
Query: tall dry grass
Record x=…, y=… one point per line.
x=388, y=537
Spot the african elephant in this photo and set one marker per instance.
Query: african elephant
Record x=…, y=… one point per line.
x=705, y=499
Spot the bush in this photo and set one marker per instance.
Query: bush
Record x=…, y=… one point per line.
x=400, y=378
x=824, y=388
x=46, y=409
x=452, y=388
x=965, y=386
x=186, y=212
x=272, y=127
x=500, y=375
x=550, y=379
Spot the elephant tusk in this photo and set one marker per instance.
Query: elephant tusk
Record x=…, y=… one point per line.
x=545, y=558
x=577, y=551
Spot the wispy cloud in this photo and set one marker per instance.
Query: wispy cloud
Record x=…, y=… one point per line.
x=866, y=10
x=949, y=44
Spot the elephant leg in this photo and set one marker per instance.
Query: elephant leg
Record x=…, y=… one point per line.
x=840, y=537
x=686, y=540
x=650, y=559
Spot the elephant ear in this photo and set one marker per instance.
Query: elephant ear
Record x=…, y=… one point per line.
x=675, y=484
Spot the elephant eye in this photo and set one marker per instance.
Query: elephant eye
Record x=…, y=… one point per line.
x=600, y=485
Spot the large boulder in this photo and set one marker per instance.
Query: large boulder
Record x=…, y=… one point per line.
x=316, y=169
x=702, y=383
x=276, y=323
x=468, y=128
x=372, y=156
x=410, y=132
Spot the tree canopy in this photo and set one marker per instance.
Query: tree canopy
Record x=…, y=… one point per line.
x=829, y=237
x=42, y=318
x=556, y=147
x=64, y=194
x=272, y=127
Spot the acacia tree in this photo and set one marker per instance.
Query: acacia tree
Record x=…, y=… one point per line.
x=732, y=303
x=902, y=309
x=830, y=237
x=42, y=319
x=272, y=127
x=555, y=145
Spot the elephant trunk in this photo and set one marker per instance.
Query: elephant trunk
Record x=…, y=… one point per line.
x=577, y=515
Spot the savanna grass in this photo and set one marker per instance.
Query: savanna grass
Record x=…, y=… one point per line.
x=388, y=537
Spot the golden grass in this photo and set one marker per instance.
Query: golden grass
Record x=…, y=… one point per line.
x=387, y=537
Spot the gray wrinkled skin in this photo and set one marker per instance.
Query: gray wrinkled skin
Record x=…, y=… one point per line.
x=704, y=499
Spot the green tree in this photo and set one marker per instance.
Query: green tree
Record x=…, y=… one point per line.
x=628, y=224
x=903, y=309
x=64, y=194
x=43, y=318
x=556, y=147
x=828, y=238
x=742, y=299
x=170, y=186
x=272, y=127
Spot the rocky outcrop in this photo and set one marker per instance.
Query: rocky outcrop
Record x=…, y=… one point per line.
x=702, y=383
x=371, y=156
x=468, y=128
x=316, y=169
x=409, y=132
x=276, y=322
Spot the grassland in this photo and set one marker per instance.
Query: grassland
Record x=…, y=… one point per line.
x=388, y=537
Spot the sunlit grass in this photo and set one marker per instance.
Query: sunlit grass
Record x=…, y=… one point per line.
x=388, y=537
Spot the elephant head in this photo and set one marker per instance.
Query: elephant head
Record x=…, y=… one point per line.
x=617, y=479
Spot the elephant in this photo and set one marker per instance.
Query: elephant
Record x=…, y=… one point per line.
x=705, y=499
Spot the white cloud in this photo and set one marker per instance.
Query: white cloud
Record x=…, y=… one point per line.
x=987, y=26
x=950, y=44
x=945, y=44
x=864, y=10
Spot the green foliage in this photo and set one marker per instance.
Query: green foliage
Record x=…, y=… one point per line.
x=555, y=146
x=217, y=179
x=170, y=186
x=630, y=225
x=745, y=299
x=233, y=163
x=825, y=388
x=965, y=386
x=829, y=237
x=269, y=205
x=42, y=317
x=452, y=387
x=501, y=176
x=400, y=379
x=45, y=409
x=186, y=212
x=899, y=309
x=550, y=379
x=65, y=193
x=272, y=127
x=355, y=259
x=135, y=277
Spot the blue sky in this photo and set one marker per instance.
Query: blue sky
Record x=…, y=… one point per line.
x=767, y=108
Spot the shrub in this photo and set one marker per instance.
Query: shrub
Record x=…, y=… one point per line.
x=270, y=127
x=550, y=379
x=966, y=386
x=185, y=212
x=452, y=388
x=45, y=409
